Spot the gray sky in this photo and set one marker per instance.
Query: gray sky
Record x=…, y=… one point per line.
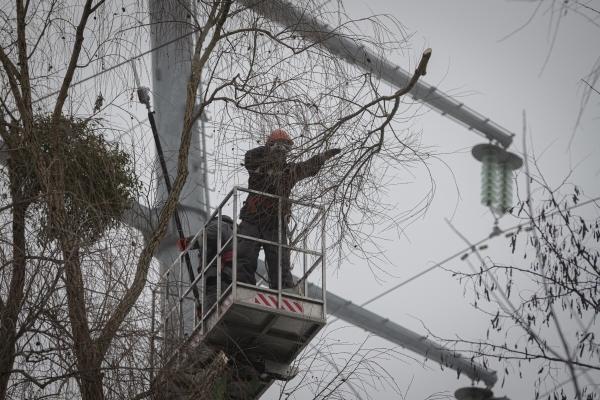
x=498, y=79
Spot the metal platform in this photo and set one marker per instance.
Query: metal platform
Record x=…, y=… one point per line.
x=251, y=336
x=251, y=322
x=260, y=339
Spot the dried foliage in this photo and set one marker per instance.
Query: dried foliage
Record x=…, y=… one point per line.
x=98, y=177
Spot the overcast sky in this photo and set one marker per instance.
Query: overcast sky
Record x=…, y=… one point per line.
x=499, y=79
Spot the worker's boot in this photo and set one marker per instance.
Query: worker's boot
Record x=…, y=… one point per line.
x=291, y=290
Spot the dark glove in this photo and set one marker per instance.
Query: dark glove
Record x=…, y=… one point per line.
x=182, y=244
x=331, y=153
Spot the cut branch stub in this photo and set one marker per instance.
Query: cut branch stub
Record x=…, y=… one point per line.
x=422, y=68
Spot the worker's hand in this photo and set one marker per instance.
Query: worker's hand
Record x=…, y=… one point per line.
x=331, y=153
x=182, y=244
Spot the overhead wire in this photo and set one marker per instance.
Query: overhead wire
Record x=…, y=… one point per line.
x=117, y=65
x=475, y=245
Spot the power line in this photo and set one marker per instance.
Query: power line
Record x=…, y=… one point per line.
x=116, y=66
x=423, y=272
x=420, y=274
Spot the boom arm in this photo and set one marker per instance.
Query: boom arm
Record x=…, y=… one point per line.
x=286, y=14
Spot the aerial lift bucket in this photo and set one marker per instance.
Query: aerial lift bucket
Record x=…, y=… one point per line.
x=252, y=335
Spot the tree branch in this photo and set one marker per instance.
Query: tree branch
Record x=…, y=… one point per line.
x=62, y=95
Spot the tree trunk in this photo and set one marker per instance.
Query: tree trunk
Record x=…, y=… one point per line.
x=91, y=384
x=88, y=358
x=10, y=310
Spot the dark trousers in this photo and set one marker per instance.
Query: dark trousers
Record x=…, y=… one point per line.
x=211, y=289
x=248, y=250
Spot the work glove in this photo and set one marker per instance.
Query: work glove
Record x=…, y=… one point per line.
x=182, y=244
x=331, y=153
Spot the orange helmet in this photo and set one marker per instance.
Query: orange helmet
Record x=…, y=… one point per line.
x=279, y=135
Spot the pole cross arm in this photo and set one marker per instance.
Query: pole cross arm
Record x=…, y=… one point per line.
x=386, y=329
x=311, y=28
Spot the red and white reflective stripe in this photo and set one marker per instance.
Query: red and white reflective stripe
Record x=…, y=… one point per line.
x=271, y=301
x=292, y=306
x=265, y=300
x=194, y=342
x=226, y=303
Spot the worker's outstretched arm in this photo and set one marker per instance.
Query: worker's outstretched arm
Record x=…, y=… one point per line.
x=313, y=165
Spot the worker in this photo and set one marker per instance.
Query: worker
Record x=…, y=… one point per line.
x=270, y=172
x=211, y=251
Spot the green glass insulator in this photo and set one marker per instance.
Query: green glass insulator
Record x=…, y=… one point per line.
x=489, y=180
x=505, y=180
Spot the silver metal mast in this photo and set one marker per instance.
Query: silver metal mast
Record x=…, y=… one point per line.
x=171, y=68
x=311, y=28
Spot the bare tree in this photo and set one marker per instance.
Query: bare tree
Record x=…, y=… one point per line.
x=334, y=369
x=72, y=276
x=533, y=305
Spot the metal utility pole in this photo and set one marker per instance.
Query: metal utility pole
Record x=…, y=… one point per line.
x=171, y=68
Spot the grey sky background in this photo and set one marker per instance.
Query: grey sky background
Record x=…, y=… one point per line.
x=498, y=79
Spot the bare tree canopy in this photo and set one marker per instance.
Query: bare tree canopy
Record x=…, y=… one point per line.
x=72, y=301
x=543, y=309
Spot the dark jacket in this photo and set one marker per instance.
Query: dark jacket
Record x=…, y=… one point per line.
x=211, y=244
x=269, y=173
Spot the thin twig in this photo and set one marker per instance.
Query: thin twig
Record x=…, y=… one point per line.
x=541, y=264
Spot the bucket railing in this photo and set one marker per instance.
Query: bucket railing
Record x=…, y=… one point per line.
x=170, y=319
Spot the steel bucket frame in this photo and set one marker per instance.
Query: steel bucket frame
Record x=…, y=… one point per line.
x=278, y=327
